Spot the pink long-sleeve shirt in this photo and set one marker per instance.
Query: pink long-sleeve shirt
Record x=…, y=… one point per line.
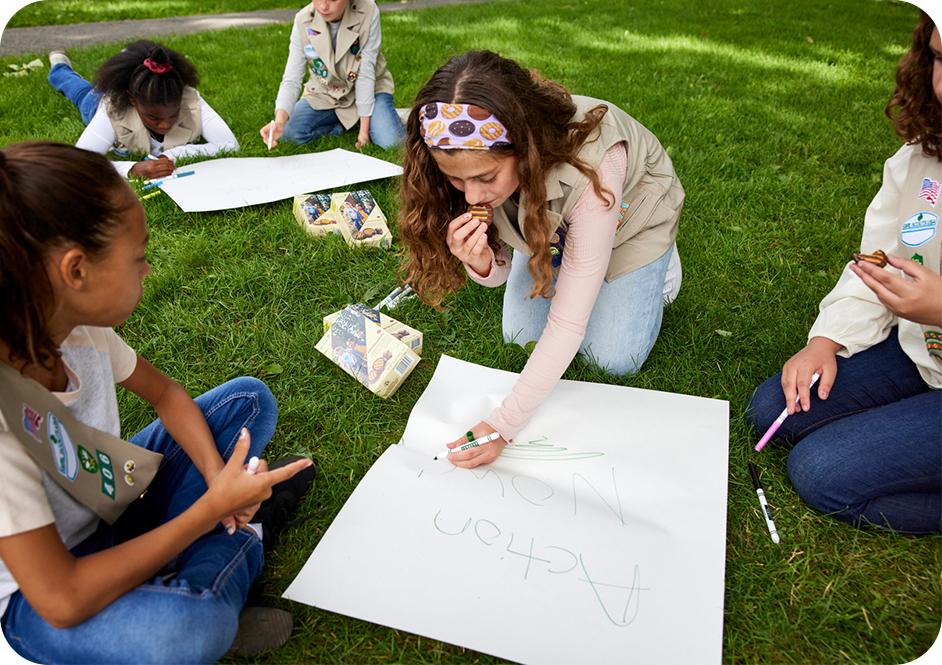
x=589, y=237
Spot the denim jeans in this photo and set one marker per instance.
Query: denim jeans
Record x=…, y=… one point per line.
x=188, y=612
x=76, y=89
x=307, y=124
x=624, y=323
x=872, y=452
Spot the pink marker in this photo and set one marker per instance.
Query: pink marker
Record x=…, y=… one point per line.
x=781, y=418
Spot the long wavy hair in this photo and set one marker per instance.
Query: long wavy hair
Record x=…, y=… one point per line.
x=538, y=115
x=125, y=74
x=914, y=108
x=51, y=195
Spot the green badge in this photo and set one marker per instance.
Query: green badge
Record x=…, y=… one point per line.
x=87, y=461
x=917, y=258
x=107, y=475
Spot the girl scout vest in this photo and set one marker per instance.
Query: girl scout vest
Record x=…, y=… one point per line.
x=333, y=71
x=132, y=136
x=919, y=239
x=100, y=471
x=650, y=200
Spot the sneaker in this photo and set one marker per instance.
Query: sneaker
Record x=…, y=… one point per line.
x=403, y=114
x=261, y=629
x=58, y=57
x=275, y=512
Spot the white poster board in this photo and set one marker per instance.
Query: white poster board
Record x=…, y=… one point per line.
x=235, y=182
x=598, y=537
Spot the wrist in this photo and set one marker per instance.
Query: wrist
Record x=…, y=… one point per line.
x=825, y=344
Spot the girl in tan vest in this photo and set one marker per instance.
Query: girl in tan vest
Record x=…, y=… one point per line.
x=338, y=42
x=144, y=104
x=868, y=440
x=576, y=207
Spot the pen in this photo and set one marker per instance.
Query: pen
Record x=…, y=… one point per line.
x=493, y=436
x=158, y=183
x=766, y=511
x=271, y=131
x=392, y=294
x=773, y=428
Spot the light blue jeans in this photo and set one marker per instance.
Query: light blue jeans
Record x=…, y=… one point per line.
x=188, y=612
x=76, y=89
x=622, y=328
x=307, y=124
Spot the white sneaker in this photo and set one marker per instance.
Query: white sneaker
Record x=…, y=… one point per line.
x=673, y=278
x=403, y=114
x=56, y=57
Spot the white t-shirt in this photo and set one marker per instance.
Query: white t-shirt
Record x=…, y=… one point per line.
x=95, y=360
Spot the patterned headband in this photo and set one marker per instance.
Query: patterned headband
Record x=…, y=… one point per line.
x=156, y=67
x=464, y=126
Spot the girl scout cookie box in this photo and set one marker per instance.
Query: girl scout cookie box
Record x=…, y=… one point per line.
x=355, y=215
x=408, y=336
x=357, y=343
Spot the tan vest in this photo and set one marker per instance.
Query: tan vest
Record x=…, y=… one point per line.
x=651, y=198
x=131, y=134
x=333, y=73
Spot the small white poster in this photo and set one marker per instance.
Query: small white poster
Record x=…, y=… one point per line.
x=235, y=182
x=597, y=537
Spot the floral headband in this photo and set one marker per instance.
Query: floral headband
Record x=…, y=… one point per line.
x=156, y=67
x=464, y=126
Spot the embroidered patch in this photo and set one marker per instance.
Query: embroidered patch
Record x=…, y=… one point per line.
x=87, y=460
x=311, y=32
x=917, y=258
x=63, y=452
x=622, y=212
x=919, y=229
x=107, y=474
x=557, y=244
x=319, y=68
x=355, y=47
x=32, y=422
x=933, y=342
x=929, y=191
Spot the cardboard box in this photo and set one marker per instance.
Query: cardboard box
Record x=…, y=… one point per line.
x=313, y=212
x=408, y=336
x=356, y=342
x=360, y=219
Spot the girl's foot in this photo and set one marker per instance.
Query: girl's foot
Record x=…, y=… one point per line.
x=58, y=57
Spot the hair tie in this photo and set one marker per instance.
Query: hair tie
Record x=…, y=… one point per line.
x=156, y=67
x=463, y=126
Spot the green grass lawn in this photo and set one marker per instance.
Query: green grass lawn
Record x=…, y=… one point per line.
x=773, y=115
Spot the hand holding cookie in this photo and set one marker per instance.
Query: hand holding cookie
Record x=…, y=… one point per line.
x=467, y=240
x=917, y=299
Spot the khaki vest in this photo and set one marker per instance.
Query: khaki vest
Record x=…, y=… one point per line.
x=131, y=134
x=333, y=74
x=651, y=197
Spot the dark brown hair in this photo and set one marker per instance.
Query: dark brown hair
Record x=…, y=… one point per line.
x=125, y=74
x=914, y=108
x=51, y=195
x=538, y=115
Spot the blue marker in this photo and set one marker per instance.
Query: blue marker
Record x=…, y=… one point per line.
x=158, y=183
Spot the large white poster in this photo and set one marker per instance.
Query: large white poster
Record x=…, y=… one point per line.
x=234, y=182
x=598, y=537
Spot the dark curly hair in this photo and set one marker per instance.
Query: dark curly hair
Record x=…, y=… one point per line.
x=124, y=75
x=51, y=195
x=914, y=108
x=538, y=116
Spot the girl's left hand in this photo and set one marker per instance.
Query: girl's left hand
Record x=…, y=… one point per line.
x=483, y=454
x=363, y=139
x=244, y=516
x=918, y=299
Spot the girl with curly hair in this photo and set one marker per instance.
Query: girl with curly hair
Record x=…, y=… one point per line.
x=868, y=441
x=144, y=104
x=575, y=208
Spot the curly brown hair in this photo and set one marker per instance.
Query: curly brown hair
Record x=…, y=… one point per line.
x=538, y=115
x=914, y=108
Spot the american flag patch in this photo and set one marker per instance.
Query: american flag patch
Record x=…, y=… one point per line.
x=929, y=190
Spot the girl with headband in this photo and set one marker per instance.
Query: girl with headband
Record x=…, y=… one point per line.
x=576, y=210
x=144, y=105
x=338, y=43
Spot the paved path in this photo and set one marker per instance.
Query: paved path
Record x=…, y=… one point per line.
x=42, y=39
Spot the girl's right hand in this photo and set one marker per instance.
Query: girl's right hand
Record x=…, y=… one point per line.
x=467, y=240
x=153, y=168
x=272, y=132
x=819, y=356
x=232, y=489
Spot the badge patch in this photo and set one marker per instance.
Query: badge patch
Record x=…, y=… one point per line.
x=355, y=47
x=311, y=32
x=929, y=191
x=917, y=258
x=86, y=460
x=107, y=474
x=310, y=52
x=622, y=212
x=32, y=422
x=63, y=452
x=919, y=229
x=933, y=342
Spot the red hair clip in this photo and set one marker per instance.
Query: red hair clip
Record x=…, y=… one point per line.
x=156, y=67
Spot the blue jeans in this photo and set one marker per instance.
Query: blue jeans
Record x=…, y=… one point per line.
x=622, y=328
x=188, y=612
x=307, y=124
x=76, y=89
x=872, y=452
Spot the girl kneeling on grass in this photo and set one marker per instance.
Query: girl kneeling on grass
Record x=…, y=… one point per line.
x=338, y=42
x=165, y=582
x=868, y=441
x=584, y=196
x=144, y=103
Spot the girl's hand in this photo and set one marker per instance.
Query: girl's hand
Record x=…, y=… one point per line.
x=363, y=139
x=153, y=168
x=483, y=454
x=272, y=132
x=235, y=492
x=467, y=240
x=244, y=516
x=819, y=356
x=918, y=299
